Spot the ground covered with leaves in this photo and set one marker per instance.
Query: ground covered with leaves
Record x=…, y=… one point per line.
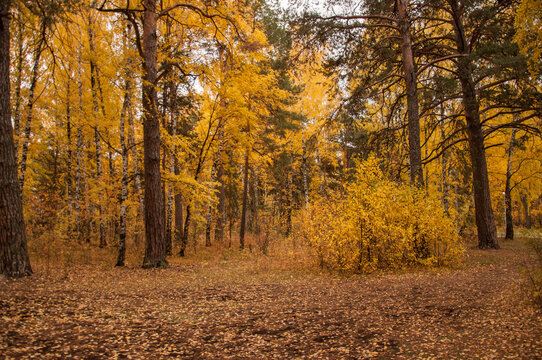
x=251, y=308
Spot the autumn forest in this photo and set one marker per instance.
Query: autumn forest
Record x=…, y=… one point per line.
x=346, y=179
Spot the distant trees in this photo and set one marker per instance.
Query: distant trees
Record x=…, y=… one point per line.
x=239, y=128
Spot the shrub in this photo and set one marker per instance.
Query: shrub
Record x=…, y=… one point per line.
x=379, y=224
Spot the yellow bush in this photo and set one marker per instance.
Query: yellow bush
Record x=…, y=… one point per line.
x=379, y=224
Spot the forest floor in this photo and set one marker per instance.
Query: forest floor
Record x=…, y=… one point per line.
x=251, y=308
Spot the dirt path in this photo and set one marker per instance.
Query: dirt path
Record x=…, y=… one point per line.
x=192, y=313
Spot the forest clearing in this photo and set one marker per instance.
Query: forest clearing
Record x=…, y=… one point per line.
x=248, y=306
x=271, y=179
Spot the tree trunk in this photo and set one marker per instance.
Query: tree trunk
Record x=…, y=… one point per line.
x=69, y=156
x=485, y=221
x=508, y=220
x=221, y=207
x=179, y=231
x=411, y=84
x=171, y=166
x=245, y=198
x=14, y=259
x=124, y=182
x=155, y=247
x=305, y=182
x=208, y=217
x=255, y=200
x=97, y=142
x=135, y=163
x=30, y=105
x=290, y=201
x=526, y=211
x=444, y=169
x=79, y=172
x=18, y=81
x=184, y=238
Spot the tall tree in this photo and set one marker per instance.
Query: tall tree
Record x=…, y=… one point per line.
x=155, y=246
x=485, y=220
x=14, y=259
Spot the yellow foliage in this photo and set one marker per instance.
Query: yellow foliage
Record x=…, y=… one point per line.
x=529, y=33
x=379, y=224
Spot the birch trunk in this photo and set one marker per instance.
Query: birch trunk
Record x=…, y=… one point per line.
x=97, y=142
x=305, y=183
x=69, y=155
x=221, y=208
x=79, y=157
x=171, y=169
x=124, y=182
x=209, y=217
x=245, y=198
x=30, y=105
x=179, y=231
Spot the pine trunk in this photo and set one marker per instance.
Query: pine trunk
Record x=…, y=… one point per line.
x=155, y=247
x=526, y=211
x=445, y=169
x=14, y=261
x=508, y=220
x=18, y=81
x=411, y=84
x=485, y=221
x=184, y=235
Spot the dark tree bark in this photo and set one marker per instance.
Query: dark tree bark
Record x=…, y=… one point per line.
x=20, y=59
x=509, y=221
x=485, y=220
x=184, y=238
x=155, y=247
x=245, y=198
x=14, y=259
x=124, y=182
x=526, y=212
x=411, y=84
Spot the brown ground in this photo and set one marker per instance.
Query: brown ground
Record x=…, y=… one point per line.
x=246, y=309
